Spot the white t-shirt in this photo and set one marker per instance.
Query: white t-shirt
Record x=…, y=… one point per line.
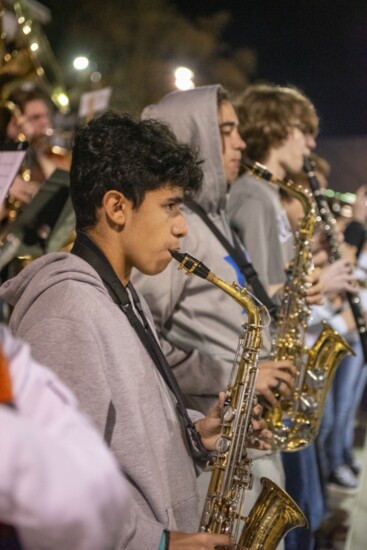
x=59, y=484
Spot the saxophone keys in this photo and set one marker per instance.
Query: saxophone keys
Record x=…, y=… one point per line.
x=315, y=380
x=308, y=404
x=223, y=445
x=228, y=414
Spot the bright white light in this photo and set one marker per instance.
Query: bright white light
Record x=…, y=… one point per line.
x=184, y=73
x=80, y=63
x=27, y=28
x=63, y=100
x=34, y=46
x=184, y=78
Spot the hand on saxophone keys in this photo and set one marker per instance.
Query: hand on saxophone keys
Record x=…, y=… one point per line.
x=209, y=427
x=338, y=278
x=314, y=287
x=259, y=436
x=275, y=377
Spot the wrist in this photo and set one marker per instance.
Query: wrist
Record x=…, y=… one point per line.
x=198, y=428
x=164, y=543
x=197, y=425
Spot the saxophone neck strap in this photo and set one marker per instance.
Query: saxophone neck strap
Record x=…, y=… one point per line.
x=237, y=254
x=85, y=248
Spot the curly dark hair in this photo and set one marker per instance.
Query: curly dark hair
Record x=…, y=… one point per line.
x=267, y=111
x=119, y=152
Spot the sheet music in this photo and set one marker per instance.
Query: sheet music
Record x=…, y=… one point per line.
x=10, y=162
x=94, y=102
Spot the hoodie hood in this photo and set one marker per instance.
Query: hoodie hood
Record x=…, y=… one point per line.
x=193, y=117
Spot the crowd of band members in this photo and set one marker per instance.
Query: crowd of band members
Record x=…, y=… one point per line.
x=131, y=183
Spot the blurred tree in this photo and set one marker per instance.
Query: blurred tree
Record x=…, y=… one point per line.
x=137, y=44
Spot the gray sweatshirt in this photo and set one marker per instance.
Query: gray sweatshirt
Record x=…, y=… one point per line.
x=257, y=216
x=199, y=325
x=64, y=311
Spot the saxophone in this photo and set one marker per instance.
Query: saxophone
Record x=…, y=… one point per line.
x=274, y=513
x=295, y=422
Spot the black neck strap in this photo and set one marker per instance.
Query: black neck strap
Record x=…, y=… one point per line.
x=86, y=249
x=237, y=254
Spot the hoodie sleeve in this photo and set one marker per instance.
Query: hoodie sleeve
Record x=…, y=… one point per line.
x=58, y=342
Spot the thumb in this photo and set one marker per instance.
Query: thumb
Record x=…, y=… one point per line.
x=216, y=410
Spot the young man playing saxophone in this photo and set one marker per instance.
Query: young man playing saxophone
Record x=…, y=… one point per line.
x=279, y=126
x=82, y=316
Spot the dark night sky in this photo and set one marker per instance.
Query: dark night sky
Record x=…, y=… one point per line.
x=318, y=45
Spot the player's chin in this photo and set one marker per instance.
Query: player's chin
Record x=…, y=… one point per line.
x=233, y=176
x=164, y=262
x=158, y=266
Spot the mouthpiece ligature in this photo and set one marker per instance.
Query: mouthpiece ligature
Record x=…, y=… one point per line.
x=191, y=264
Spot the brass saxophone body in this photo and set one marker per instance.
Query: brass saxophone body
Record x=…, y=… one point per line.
x=274, y=513
x=295, y=422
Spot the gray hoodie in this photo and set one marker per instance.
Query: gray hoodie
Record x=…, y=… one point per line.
x=256, y=214
x=64, y=311
x=199, y=324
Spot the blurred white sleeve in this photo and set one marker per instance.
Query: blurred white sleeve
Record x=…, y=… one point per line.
x=59, y=484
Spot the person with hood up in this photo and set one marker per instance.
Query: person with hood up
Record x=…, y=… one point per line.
x=198, y=324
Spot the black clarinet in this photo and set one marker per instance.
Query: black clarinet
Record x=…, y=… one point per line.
x=329, y=223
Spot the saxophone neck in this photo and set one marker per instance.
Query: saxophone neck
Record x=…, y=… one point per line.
x=297, y=191
x=242, y=296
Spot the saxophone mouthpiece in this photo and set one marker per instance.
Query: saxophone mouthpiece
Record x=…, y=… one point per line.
x=191, y=264
x=258, y=170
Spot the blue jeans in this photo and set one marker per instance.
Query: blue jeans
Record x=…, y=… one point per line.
x=303, y=484
x=335, y=441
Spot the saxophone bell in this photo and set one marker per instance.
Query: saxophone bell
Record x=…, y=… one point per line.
x=273, y=515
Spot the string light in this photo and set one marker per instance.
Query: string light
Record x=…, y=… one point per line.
x=184, y=78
